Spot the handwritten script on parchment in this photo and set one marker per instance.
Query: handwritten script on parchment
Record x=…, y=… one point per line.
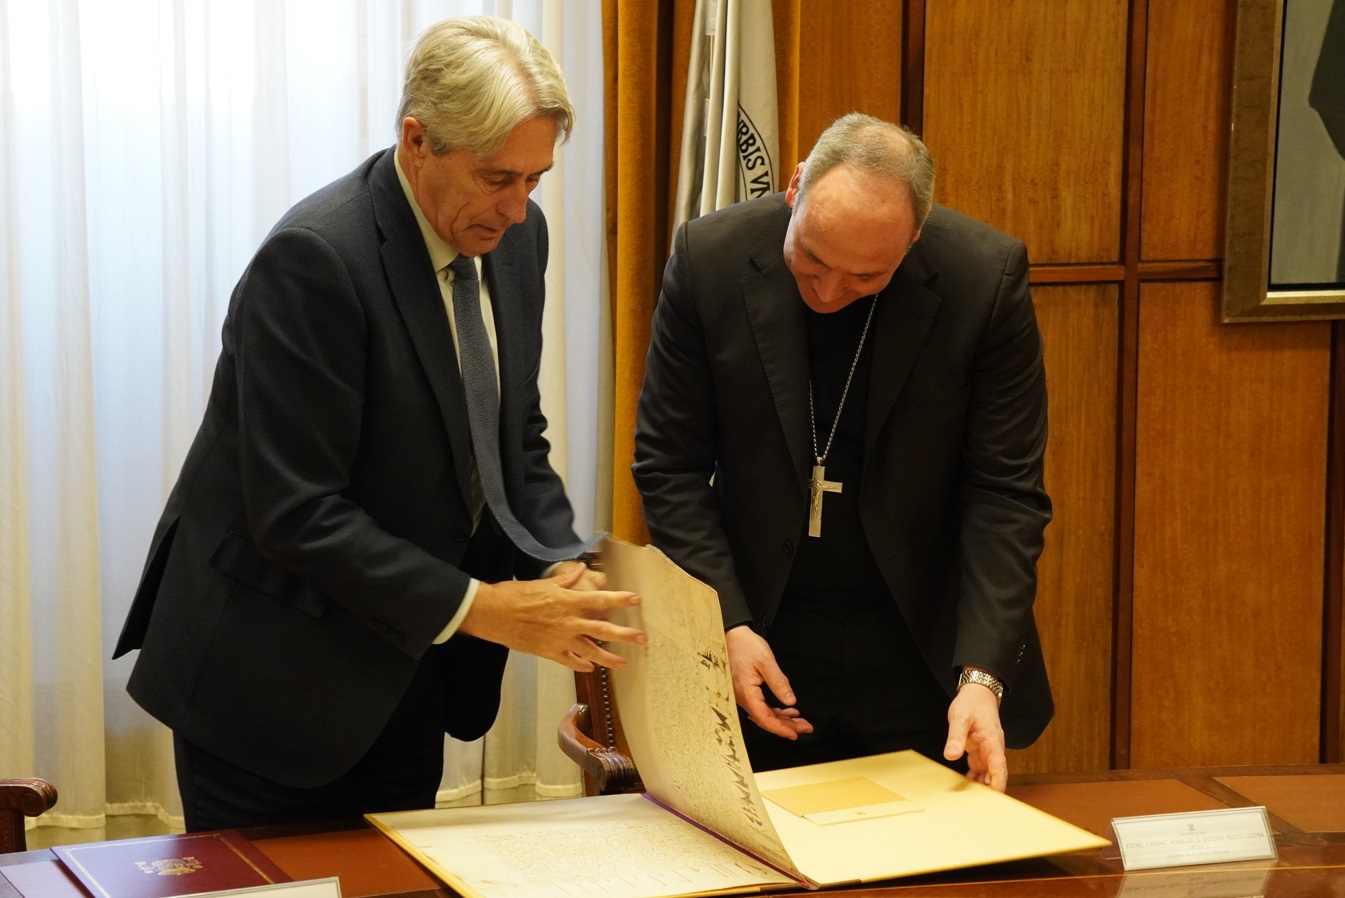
x=563, y=849
x=681, y=721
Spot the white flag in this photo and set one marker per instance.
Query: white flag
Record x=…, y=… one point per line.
x=730, y=134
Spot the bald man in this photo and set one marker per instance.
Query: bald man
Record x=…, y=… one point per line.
x=841, y=430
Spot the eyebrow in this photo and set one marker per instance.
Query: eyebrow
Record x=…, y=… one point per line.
x=509, y=171
x=808, y=251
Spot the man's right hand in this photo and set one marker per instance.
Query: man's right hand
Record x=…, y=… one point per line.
x=555, y=618
x=753, y=664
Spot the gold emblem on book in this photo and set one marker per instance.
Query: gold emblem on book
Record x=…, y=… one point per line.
x=173, y=866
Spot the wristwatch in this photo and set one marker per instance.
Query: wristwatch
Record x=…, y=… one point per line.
x=985, y=678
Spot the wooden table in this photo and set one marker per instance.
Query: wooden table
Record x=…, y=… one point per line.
x=1306, y=807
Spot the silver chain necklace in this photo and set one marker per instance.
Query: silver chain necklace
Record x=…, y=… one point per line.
x=820, y=484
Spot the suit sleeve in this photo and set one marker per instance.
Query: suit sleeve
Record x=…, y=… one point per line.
x=677, y=439
x=301, y=365
x=1005, y=507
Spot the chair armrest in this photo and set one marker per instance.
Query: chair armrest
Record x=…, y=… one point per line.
x=19, y=798
x=610, y=770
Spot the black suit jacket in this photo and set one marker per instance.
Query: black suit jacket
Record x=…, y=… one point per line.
x=311, y=550
x=953, y=506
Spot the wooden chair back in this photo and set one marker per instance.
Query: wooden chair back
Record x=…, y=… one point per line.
x=590, y=735
x=20, y=798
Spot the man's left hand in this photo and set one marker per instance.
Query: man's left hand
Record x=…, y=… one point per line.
x=974, y=729
x=589, y=578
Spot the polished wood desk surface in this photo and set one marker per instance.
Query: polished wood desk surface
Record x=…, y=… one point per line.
x=1306, y=806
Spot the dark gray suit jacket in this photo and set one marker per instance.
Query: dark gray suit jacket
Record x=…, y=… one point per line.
x=310, y=551
x=955, y=432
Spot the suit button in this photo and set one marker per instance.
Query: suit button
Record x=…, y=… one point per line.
x=789, y=549
x=765, y=622
x=386, y=630
x=461, y=535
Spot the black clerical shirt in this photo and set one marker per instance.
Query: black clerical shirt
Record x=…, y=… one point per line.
x=835, y=574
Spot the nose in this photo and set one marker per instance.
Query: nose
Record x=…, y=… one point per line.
x=830, y=287
x=514, y=205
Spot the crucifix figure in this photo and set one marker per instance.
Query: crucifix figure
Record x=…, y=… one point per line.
x=819, y=485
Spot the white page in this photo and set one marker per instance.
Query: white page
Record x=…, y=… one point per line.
x=611, y=846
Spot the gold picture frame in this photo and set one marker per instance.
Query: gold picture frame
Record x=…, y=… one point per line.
x=1249, y=293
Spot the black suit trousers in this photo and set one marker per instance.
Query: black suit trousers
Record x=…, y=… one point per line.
x=860, y=680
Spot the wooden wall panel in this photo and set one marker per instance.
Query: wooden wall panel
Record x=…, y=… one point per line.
x=834, y=58
x=1229, y=534
x=1333, y=605
x=1024, y=111
x=1074, y=595
x=1186, y=90
x=1181, y=594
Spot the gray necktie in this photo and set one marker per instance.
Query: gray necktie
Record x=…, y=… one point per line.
x=483, y=410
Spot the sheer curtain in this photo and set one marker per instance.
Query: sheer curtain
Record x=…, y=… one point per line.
x=146, y=146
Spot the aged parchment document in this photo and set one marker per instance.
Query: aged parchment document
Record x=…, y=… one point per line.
x=861, y=820
x=677, y=706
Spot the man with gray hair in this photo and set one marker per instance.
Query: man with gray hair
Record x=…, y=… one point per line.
x=841, y=430
x=368, y=520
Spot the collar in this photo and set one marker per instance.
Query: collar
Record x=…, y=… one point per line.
x=441, y=253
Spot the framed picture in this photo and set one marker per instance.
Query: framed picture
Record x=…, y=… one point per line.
x=1284, y=253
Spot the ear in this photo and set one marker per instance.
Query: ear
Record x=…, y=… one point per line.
x=414, y=143
x=792, y=191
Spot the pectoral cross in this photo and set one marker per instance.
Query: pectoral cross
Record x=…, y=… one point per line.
x=819, y=485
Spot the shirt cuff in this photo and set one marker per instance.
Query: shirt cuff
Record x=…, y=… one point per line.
x=463, y=607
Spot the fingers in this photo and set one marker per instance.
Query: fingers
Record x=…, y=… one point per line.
x=765, y=717
x=777, y=682
x=567, y=573
x=998, y=778
x=544, y=618
x=974, y=730
x=589, y=655
x=597, y=606
x=598, y=603
x=753, y=664
x=955, y=747
x=593, y=629
x=790, y=716
x=591, y=580
x=577, y=575
x=988, y=766
x=585, y=586
x=574, y=662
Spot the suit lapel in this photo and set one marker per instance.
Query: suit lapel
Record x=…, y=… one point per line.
x=901, y=321
x=775, y=312
x=421, y=304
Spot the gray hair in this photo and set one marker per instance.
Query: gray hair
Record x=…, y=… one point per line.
x=872, y=146
x=470, y=81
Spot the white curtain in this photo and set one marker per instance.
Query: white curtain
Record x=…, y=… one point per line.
x=146, y=147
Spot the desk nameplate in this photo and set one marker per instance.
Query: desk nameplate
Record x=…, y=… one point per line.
x=1200, y=837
